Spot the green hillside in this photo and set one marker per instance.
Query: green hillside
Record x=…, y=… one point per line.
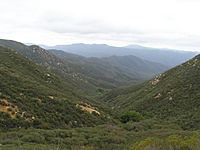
x=173, y=95
x=89, y=76
x=48, y=60
x=31, y=96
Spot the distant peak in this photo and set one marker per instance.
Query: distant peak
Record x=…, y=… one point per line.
x=134, y=46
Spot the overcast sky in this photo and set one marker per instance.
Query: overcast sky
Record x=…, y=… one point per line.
x=157, y=23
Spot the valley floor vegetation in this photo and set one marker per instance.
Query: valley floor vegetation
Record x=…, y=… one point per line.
x=146, y=134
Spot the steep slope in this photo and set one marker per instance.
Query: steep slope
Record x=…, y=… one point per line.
x=168, y=57
x=32, y=96
x=173, y=95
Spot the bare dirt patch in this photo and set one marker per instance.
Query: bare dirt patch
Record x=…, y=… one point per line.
x=8, y=108
x=88, y=108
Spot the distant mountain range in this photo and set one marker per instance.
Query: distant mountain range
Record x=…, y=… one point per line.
x=167, y=57
x=115, y=70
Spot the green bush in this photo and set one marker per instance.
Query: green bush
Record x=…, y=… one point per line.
x=131, y=116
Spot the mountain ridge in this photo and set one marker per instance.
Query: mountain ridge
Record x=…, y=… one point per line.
x=168, y=57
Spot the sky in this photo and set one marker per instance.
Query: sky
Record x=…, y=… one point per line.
x=155, y=23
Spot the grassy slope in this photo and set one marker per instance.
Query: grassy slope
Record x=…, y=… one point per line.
x=42, y=99
x=174, y=95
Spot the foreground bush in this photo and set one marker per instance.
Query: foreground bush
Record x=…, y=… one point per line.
x=174, y=142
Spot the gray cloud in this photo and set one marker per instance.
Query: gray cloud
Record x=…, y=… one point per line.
x=166, y=24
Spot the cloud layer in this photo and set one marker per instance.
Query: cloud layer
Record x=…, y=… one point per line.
x=158, y=23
